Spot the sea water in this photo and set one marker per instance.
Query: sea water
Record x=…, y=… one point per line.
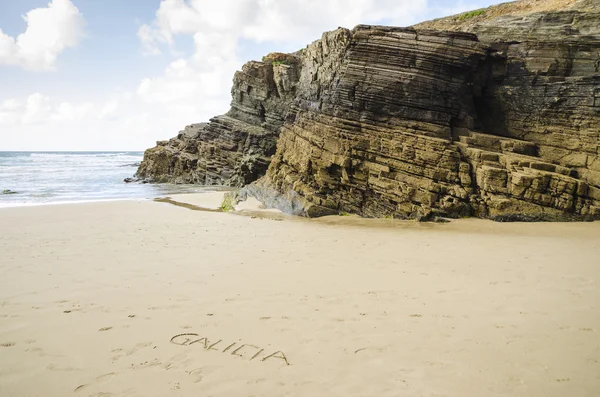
x=61, y=177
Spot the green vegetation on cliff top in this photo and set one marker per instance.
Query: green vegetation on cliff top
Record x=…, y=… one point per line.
x=470, y=14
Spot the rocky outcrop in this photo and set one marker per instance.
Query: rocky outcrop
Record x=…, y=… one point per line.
x=233, y=149
x=499, y=118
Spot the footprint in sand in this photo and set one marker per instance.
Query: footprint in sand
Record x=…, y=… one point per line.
x=36, y=350
x=257, y=381
x=178, y=361
x=146, y=364
x=54, y=367
x=371, y=349
x=105, y=378
x=98, y=381
x=133, y=350
x=196, y=375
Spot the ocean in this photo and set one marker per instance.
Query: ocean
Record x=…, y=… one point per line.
x=40, y=178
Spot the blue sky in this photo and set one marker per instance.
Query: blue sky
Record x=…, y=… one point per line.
x=107, y=57
x=119, y=75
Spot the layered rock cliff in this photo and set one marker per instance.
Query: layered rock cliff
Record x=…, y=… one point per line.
x=233, y=149
x=494, y=114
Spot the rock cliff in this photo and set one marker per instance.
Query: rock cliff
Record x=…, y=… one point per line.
x=493, y=113
x=233, y=149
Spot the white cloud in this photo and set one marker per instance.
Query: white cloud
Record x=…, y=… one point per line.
x=149, y=42
x=193, y=87
x=202, y=82
x=74, y=112
x=10, y=105
x=41, y=109
x=123, y=122
x=109, y=109
x=301, y=20
x=49, y=32
x=298, y=21
x=37, y=109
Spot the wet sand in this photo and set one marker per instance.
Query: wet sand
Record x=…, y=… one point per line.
x=140, y=298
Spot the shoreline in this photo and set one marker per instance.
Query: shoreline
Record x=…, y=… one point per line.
x=201, y=190
x=210, y=201
x=74, y=202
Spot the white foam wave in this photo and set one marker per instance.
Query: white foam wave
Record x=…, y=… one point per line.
x=43, y=204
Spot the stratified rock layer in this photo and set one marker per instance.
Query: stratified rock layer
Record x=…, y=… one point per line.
x=500, y=121
x=233, y=149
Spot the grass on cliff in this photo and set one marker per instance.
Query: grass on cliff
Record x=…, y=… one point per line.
x=277, y=63
x=228, y=203
x=470, y=14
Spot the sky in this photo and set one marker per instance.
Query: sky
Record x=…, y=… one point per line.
x=121, y=74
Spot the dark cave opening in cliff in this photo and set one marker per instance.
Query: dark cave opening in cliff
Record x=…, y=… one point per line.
x=489, y=109
x=489, y=114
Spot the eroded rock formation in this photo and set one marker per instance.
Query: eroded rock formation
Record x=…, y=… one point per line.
x=233, y=149
x=499, y=118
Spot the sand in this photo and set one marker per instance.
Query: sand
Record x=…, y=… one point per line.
x=94, y=299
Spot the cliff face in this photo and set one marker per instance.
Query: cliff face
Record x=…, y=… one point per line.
x=233, y=149
x=498, y=119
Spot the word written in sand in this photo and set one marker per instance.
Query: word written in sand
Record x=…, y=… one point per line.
x=239, y=349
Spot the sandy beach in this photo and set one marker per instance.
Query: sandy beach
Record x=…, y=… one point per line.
x=140, y=298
